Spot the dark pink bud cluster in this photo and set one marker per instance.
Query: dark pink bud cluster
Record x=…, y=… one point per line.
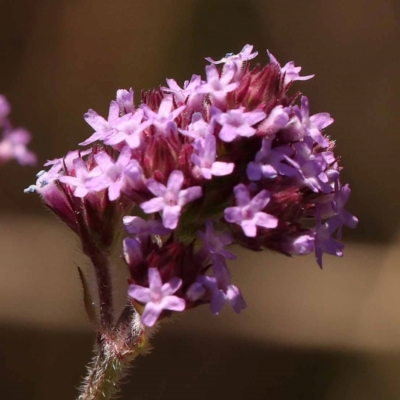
x=229, y=159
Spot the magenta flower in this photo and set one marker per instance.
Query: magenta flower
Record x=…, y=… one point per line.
x=157, y=297
x=170, y=199
x=248, y=212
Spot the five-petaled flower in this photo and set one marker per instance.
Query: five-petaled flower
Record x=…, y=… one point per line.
x=157, y=297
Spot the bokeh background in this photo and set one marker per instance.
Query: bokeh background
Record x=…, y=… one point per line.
x=307, y=334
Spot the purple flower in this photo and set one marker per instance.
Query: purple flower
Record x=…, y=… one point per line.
x=128, y=130
x=323, y=242
x=235, y=61
x=244, y=55
x=157, y=297
x=214, y=244
x=132, y=250
x=198, y=128
x=310, y=169
x=4, y=108
x=113, y=173
x=139, y=226
x=248, y=212
x=68, y=160
x=82, y=174
x=125, y=101
x=237, y=122
x=277, y=119
x=189, y=88
x=163, y=120
x=218, y=86
x=335, y=209
x=268, y=162
x=218, y=296
x=300, y=245
x=314, y=124
x=14, y=145
x=102, y=128
x=45, y=178
x=291, y=72
x=204, y=159
x=170, y=199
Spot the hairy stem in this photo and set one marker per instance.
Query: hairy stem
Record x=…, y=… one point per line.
x=114, y=352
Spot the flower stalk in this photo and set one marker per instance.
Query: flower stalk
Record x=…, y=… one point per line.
x=114, y=351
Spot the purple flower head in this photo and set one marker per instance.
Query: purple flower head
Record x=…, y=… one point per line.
x=248, y=212
x=204, y=159
x=289, y=70
x=170, y=199
x=230, y=158
x=237, y=123
x=157, y=297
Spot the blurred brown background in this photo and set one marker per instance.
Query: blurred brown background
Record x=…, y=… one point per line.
x=307, y=334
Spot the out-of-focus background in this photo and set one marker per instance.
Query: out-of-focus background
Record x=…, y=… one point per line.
x=307, y=334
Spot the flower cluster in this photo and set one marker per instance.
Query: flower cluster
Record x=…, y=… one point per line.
x=13, y=142
x=229, y=159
